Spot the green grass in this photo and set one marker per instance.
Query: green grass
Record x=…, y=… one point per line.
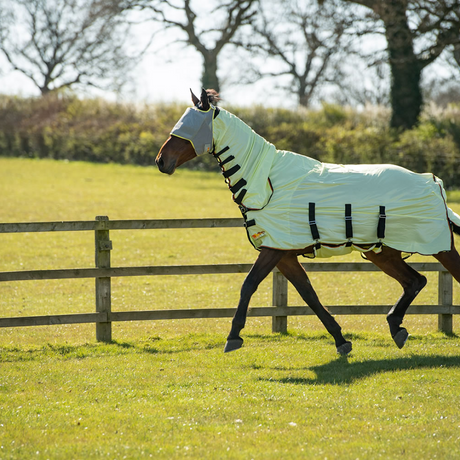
x=279, y=397
x=165, y=389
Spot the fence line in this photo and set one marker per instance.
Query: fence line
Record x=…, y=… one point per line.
x=103, y=273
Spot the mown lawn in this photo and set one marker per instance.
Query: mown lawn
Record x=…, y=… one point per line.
x=165, y=389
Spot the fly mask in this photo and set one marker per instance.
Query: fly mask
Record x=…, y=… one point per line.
x=196, y=126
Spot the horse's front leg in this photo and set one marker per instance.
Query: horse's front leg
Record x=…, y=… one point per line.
x=290, y=267
x=265, y=263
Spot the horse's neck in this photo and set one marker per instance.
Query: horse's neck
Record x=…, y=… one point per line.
x=251, y=152
x=243, y=143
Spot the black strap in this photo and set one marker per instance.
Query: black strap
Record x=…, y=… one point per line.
x=216, y=112
x=348, y=224
x=240, y=197
x=231, y=171
x=221, y=152
x=229, y=158
x=312, y=221
x=250, y=223
x=238, y=186
x=381, y=224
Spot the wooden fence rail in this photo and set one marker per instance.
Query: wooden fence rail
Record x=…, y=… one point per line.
x=103, y=273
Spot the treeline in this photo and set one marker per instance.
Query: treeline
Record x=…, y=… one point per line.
x=67, y=128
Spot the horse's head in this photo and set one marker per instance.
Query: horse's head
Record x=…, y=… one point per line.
x=192, y=135
x=174, y=152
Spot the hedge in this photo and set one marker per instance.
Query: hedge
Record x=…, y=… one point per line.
x=62, y=126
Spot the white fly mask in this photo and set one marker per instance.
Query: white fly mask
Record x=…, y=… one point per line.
x=195, y=125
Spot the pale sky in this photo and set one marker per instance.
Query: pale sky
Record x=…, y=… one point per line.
x=165, y=74
x=168, y=71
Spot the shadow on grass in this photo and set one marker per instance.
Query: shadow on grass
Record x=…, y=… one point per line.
x=336, y=372
x=152, y=345
x=342, y=372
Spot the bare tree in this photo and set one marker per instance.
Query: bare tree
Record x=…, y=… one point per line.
x=63, y=43
x=363, y=84
x=218, y=27
x=417, y=32
x=443, y=87
x=452, y=62
x=302, y=43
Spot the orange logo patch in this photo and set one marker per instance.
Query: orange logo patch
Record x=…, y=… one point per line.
x=258, y=235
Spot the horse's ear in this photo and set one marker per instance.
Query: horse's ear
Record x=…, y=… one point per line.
x=204, y=100
x=195, y=100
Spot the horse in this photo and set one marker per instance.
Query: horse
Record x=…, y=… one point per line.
x=382, y=211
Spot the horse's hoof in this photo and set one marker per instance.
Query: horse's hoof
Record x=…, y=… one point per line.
x=344, y=349
x=233, y=344
x=400, y=337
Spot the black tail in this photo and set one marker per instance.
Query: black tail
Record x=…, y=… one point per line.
x=455, y=228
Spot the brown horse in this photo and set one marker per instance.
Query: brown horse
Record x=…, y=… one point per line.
x=193, y=135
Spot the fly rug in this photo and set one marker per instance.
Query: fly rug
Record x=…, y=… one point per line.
x=294, y=205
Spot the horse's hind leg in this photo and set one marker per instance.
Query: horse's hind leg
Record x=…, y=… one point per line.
x=290, y=267
x=451, y=261
x=412, y=282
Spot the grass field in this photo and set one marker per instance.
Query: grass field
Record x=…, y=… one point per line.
x=165, y=389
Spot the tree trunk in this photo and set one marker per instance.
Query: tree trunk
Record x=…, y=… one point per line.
x=304, y=97
x=406, y=95
x=209, y=78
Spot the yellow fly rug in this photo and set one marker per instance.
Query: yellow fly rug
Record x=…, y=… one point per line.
x=292, y=202
x=339, y=208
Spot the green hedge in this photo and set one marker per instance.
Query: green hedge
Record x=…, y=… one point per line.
x=88, y=130
x=65, y=127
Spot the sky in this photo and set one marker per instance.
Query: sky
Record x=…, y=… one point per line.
x=168, y=70
x=166, y=73
x=156, y=79
x=153, y=80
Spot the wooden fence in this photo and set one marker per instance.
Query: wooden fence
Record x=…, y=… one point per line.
x=103, y=272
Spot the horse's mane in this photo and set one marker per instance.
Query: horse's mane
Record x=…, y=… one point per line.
x=213, y=96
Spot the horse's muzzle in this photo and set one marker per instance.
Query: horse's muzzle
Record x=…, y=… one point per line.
x=159, y=162
x=163, y=167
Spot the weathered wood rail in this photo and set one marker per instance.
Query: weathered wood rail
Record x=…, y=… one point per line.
x=103, y=273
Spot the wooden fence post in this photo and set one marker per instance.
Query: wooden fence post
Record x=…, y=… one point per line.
x=103, y=285
x=279, y=299
x=445, y=298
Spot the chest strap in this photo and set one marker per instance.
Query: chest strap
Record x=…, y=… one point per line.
x=239, y=199
x=238, y=186
x=221, y=152
x=227, y=160
x=231, y=171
